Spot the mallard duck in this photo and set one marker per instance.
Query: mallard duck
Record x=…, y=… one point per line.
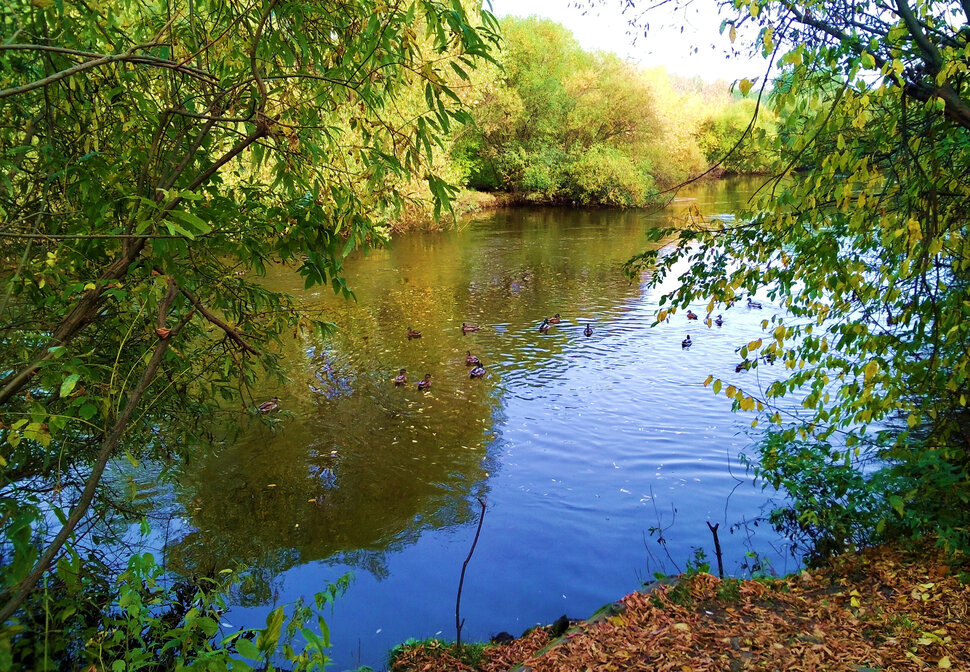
x=465, y=328
x=555, y=319
x=588, y=330
x=477, y=372
x=402, y=377
x=413, y=333
x=269, y=406
x=719, y=321
x=544, y=327
x=426, y=383
x=691, y=315
x=753, y=304
x=686, y=343
x=471, y=360
x=769, y=357
x=743, y=366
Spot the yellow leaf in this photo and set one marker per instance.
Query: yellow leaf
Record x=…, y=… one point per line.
x=855, y=602
x=872, y=368
x=754, y=345
x=731, y=389
x=90, y=285
x=708, y=381
x=745, y=85
x=733, y=34
x=944, y=662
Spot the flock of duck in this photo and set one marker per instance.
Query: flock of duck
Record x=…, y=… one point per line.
x=478, y=369
x=719, y=321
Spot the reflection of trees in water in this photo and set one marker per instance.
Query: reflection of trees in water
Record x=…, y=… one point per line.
x=331, y=381
x=359, y=468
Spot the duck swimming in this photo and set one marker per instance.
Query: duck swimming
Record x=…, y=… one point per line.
x=413, y=333
x=477, y=372
x=743, y=366
x=426, y=383
x=719, y=321
x=588, y=331
x=753, y=304
x=691, y=315
x=686, y=343
x=544, y=327
x=401, y=378
x=465, y=328
x=555, y=319
x=269, y=406
x=471, y=360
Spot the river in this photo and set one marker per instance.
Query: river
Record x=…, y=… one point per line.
x=580, y=445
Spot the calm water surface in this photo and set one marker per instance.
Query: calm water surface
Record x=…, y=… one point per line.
x=580, y=445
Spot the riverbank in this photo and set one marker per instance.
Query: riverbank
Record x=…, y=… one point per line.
x=470, y=202
x=881, y=609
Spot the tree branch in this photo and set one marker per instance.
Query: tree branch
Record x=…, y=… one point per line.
x=107, y=448
x=232, y=333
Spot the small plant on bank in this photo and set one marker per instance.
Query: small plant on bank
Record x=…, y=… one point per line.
x=729, y=591
x=468, y=654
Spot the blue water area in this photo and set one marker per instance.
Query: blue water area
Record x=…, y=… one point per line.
x=602, y=458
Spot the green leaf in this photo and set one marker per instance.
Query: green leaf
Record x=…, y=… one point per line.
x=247, y=649
x=67, y=386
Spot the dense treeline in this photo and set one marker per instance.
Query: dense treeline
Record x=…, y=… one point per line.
x=556, y=123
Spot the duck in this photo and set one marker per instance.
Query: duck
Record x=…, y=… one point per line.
x=465, y=328
x=402, y=377
x=544, y=327
x=686, y=343
x=413, y=333
x=471, y=360
x=477, y=372
x=588, y=330
x=555, y=319
x=753, y=304
x=743, y=366
x=691, y=315
x=269, y=406
x=719, y=321
x=425, y=384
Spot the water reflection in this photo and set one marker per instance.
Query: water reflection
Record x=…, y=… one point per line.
x=570, y=436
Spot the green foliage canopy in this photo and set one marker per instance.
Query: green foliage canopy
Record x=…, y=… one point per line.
x=151, y=155
x=559, y=123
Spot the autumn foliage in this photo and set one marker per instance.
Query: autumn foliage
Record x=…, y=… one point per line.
x=880, y=609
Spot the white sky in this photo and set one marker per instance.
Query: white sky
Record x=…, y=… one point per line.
x=698, y=50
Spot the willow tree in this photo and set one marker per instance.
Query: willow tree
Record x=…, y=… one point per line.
x=153, y=154
x=861, y=240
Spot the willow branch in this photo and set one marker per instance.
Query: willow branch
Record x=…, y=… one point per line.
x=87, y=495
x=231, y=332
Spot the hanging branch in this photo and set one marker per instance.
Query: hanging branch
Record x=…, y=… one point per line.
x=459, y=622
x=108, y=446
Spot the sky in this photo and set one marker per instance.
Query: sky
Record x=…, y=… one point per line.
x=697, y=50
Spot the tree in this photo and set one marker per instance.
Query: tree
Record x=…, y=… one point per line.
x=861, y=239
x=151, y=157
